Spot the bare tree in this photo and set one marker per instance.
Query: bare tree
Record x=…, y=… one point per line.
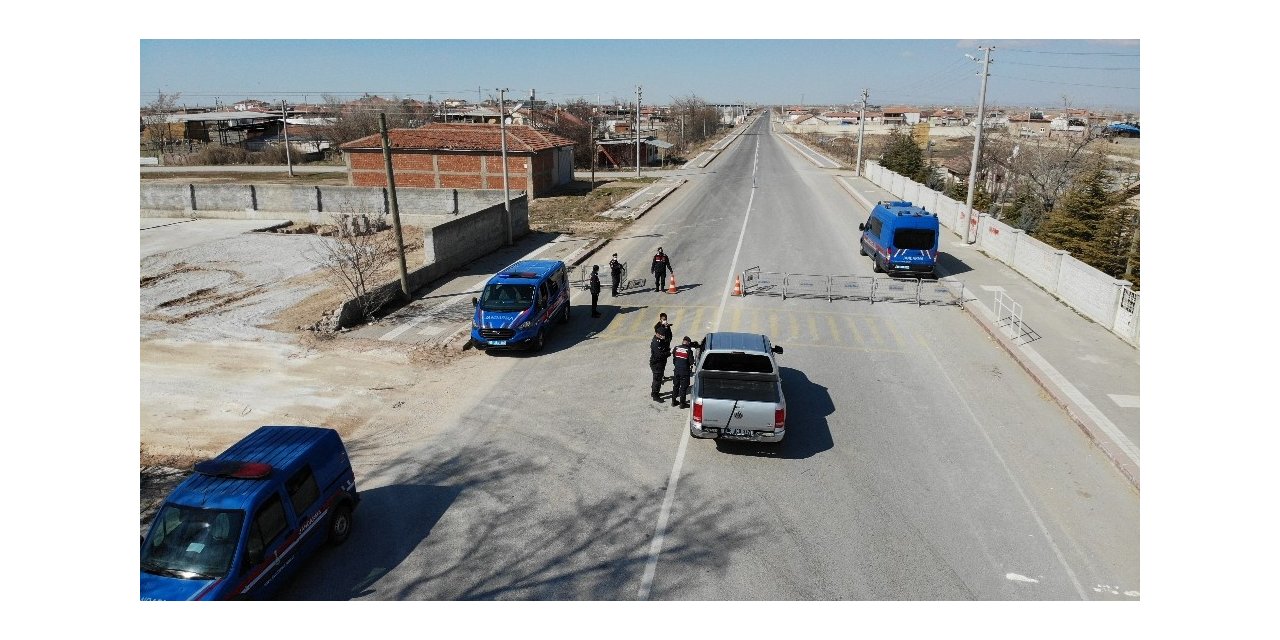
x=354, y=119
x=155, y=118
x=356, y=258
x=1039, y=174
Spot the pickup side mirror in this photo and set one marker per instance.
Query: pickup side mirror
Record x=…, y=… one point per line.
x=777, y=349
x=475, y=302
x=862, y=227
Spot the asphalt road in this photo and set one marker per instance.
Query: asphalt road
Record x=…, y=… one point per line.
x=920, y=464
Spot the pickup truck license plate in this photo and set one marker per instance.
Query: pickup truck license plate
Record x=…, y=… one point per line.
x=738, y=433
x=497, y=343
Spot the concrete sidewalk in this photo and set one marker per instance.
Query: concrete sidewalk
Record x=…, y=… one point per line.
x=1089, y=371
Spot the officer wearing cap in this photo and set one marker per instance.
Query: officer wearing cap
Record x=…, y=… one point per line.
x=682, y=361
x=615, y=270
x=661, y=263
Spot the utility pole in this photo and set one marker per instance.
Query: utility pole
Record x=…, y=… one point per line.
x=395, y=206
x=592, y=136
x=506, y=193
x=639, y=93
x=862, y=126
x=284, y=122
x=971, y=232
x=533, y=109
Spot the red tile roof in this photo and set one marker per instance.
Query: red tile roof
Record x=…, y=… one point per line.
x=465, y=137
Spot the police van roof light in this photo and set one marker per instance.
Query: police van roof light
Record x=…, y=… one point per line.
x=234, y=469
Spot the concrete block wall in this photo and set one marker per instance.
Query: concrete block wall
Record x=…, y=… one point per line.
x=300, y=203
x=1082, y=287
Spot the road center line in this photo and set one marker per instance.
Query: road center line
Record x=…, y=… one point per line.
x=664, y=514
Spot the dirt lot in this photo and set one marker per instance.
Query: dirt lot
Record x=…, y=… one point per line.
x=223, y=351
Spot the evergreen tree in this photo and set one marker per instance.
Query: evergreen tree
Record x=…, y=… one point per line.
x=1088, y=223
x=901, y=155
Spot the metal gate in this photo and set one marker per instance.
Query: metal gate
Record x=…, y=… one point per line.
x=948, y=290
x=851, y=287
x=896, y=290
x=801, y=285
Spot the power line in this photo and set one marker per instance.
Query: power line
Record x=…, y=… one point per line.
x=1058, y=66
x=1075, y=53
x=1066, y=84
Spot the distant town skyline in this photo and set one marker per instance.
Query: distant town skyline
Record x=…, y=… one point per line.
x=1101, y=75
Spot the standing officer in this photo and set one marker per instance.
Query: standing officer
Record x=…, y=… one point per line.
x=661, y=263
x=682, y=363
x=657, y=365
x=659, y=350
x=595, y=289
x=615, y=270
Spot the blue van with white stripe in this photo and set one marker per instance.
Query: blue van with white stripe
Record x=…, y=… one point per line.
x=518, y=304
x=240, y=525
x=900, y=238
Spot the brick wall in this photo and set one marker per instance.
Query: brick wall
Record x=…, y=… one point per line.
x=448, y=170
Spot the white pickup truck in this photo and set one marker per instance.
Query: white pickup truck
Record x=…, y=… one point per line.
x=737, y=389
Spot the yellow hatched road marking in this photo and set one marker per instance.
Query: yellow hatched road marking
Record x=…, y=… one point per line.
x=755, y=322
x=835, y=331
x=637, y=323
x=773, y=325
x=853, y=327
x=875, y=331
x=696, y=325
x=813, y=327
x=795, y=326
x=736, y=322
x=678, y=319
x=897, y=336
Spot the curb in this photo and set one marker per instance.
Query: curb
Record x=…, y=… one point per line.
x=1091, y=430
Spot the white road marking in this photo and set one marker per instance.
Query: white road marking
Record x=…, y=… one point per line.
x=1044, y=530
x=990, y=287
x=1019, y=578
x=1128, y=402
x=664, y=514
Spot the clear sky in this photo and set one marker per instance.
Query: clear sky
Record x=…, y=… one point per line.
x=1045, y=73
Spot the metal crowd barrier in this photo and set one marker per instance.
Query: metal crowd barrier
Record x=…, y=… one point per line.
x=946, y=291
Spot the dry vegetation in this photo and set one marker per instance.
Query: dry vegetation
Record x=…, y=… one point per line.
x=576, y=210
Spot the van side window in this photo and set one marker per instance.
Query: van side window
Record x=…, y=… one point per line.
x=553, y=287
x=543, y=298
x=876, y=225
x=267, y=525
x=302, y=490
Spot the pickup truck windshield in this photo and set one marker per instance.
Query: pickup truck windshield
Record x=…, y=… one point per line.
x=736, y=389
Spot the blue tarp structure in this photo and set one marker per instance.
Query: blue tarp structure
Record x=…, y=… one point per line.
x=1124, y=127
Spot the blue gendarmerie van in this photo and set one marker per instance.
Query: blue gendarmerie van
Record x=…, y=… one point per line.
x=518, y=304
x=900, y=238
x=245, y=520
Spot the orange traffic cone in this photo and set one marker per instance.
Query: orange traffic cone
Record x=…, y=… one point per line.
x=671, y=286
x=737, y=285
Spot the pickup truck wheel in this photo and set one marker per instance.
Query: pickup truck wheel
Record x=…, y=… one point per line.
x=340, y=524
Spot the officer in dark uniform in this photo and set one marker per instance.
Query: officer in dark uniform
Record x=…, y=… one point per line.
x=615, y=270
x=682, y=363
x=658, y=365
x=661, y=263
x=595, y=289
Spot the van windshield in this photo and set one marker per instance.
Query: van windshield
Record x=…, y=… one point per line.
x=188, y=542
x=506, y=297
x=914, y=238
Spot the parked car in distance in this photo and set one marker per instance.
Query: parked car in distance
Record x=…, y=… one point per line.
x=737, y=389
x=247, y=519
